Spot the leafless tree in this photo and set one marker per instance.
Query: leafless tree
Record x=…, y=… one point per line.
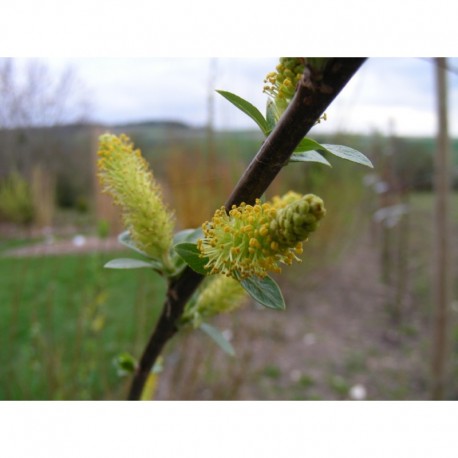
x=33, y=100
x=31, y=96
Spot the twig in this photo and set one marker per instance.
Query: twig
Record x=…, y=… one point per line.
x=314, y=94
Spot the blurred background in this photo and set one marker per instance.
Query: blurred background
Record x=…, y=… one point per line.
x=365, y=316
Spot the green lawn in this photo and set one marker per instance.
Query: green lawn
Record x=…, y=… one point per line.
x=424, y=202
x=64, y=318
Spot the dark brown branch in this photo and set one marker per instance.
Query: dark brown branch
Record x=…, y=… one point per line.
x=314, y=94
x=179, y=292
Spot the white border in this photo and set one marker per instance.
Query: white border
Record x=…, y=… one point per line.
x=228, y=429
x=141, y=28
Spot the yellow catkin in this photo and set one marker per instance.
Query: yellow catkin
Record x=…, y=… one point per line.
x=281, y=84
x=218, y=294
x=254, y=239
x=125, y=174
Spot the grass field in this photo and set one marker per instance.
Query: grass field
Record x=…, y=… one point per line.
x=63, y=320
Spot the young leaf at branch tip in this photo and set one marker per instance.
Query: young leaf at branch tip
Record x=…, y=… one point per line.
x=192, y=256
x=129, y=263
x=265, y=291
x=218, y=337
x=309, y=156
x=248, y=109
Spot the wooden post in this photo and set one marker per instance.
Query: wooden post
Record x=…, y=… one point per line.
x=441, y=257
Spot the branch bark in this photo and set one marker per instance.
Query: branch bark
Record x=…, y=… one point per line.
x=314, y=94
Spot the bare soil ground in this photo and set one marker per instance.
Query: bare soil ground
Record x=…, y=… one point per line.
x=334, y=341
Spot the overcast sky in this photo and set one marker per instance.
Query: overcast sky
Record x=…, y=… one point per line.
x=386, y=91
x=397, y=92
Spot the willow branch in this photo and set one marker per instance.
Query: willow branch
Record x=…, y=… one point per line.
x=314, y=94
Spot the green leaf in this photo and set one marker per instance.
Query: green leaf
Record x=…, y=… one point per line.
x=129, y=263
x=218, y=338
x=191, y=255
x=344, y=152
x=348, y=153
x=127, y=241
x=188, y=235
x=248, y=109
x=265, y=291
x=307, y=144
x=309, y=156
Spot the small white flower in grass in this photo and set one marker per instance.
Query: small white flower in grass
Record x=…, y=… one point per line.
x=309, y=339
x=358, y=392
x=79, y=240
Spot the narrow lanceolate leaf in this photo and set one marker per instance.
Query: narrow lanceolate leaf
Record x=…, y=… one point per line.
x=248, y=109
x=307, y=144
x=265, y=291
x=129, y=263
x=348, y=153
x=191, y=255
x=309, y=156
x=218, y=338
x=344, y=152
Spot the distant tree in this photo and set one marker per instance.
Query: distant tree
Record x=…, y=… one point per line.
x=34, y=100
x=31, y=97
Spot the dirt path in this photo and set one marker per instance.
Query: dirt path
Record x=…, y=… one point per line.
x=78, y=244
x=334, y=341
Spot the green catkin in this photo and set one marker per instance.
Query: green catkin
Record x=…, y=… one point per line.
x=125, y=174
x=219, y=294
x=255, y=239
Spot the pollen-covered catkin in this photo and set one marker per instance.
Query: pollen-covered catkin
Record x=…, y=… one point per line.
x=282, y=83
x=255, y=239
x=125, y=174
